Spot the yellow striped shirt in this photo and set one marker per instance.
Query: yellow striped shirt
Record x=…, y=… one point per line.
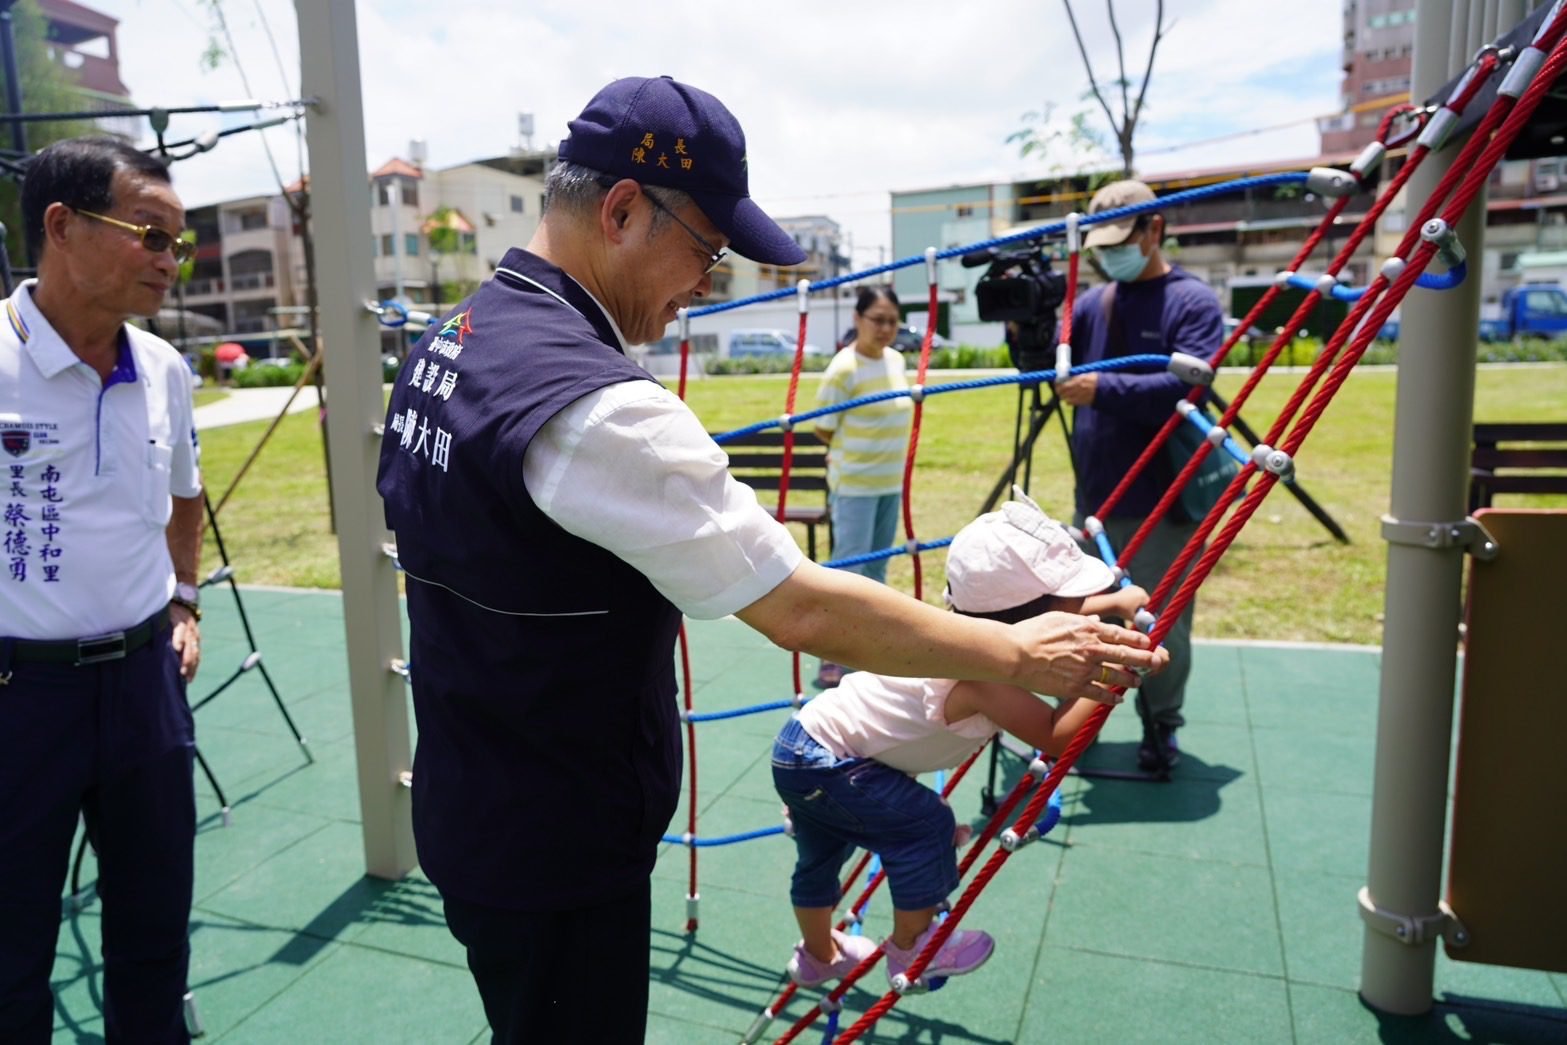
x=869, y=442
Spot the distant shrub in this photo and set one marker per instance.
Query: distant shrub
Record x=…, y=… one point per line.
x=260, y=376
x=781, y=363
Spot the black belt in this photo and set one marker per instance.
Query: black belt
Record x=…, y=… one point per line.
x=116, y=645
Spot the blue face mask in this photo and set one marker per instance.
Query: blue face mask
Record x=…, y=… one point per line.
x=1123, y=263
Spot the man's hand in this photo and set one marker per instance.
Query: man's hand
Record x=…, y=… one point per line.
x=1079, y=390
x=187, y=640
x=1069, y=654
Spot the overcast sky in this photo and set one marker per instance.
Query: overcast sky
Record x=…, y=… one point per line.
x=841, y=101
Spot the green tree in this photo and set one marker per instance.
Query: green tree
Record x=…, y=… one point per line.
x=46, y=87
x=1039, y=133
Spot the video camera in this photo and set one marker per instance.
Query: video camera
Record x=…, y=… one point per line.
x=1023, y=291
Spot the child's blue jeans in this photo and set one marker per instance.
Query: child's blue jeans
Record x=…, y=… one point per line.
x=839, y=805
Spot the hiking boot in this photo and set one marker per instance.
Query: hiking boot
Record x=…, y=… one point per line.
x=1158, y=749
x=964, y=951
x=807, y=970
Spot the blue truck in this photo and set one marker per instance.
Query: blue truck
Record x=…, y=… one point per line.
x=1530, y=310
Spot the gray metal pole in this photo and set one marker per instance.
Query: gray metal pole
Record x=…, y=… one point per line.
x=340, y=206
x=1435, y=406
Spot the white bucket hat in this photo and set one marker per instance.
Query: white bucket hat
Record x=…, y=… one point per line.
x=1013, y=556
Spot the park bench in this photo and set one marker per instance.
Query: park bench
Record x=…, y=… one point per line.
x=1497, y=466
x=757, y=461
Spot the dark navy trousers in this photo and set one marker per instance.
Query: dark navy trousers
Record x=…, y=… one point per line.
x=112, y=742
x=557, y=976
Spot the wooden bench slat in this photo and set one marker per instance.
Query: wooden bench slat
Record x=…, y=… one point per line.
x=1491, y=432
x=1490, y=458
x=1531, y=468
x=757, y=460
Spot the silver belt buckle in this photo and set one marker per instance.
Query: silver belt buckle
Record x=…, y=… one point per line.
x=100, y=648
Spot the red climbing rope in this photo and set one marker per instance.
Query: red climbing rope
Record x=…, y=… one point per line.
x=914, y=430
x=1460, y=99
x=685, y=675
x=1464, y=181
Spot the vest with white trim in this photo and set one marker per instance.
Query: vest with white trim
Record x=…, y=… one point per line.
x=542, y=665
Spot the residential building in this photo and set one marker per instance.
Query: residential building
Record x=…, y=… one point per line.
x=1379, y=44
x=84, y=43
x=250, y=260
x=397, y=212
x=493, y=208
x=238, y=278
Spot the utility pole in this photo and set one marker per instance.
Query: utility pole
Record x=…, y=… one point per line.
x=329, y=62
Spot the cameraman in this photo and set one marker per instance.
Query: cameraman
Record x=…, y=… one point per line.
x=1150, y=306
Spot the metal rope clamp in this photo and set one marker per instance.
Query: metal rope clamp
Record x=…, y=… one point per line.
x=1411, y=929
x=1468, y=534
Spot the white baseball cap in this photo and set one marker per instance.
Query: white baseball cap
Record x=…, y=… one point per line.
x=1013, y=556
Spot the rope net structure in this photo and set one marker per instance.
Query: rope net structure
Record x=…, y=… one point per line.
x=1526, y=76
x=1429, y=237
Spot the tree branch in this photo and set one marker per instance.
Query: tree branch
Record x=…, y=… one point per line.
x=1120, y=61
x=1158, y=34
x=1093, y=84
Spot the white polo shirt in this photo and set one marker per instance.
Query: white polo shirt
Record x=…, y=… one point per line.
x=88, y=467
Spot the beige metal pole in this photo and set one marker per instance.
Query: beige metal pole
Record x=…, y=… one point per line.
x=340, y=208
x=1434, y=411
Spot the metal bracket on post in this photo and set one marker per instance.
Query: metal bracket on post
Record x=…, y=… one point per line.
x=1406, y=928
x=1466, y=533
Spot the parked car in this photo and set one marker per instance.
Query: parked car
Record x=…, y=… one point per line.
x=908, y=339
x=765, y=343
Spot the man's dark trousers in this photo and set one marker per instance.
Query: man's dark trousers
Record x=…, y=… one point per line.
x=552, y=976
x=112, y=742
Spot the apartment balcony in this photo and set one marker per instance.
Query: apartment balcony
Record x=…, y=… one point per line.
x=95, y=73
x=252, y=283
x=253, y=324
x=204, y=288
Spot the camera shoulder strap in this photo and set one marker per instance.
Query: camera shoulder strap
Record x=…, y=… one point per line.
x=1115, y=337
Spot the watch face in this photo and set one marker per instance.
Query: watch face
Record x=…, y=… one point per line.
x=188, y=592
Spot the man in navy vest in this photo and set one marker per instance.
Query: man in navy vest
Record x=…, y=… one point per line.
x=556, y=511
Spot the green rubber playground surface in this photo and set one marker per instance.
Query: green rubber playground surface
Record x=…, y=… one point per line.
x=1219, y=907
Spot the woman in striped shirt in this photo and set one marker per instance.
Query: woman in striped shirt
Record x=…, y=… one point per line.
x=868, y=443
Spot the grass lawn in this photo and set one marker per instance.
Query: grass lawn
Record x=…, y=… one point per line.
x=208, y=396
x=1284, y=578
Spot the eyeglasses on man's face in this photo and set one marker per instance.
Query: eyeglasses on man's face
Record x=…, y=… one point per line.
x=152, y=237
x=715, y=256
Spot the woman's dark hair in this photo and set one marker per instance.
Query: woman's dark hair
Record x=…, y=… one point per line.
x=870, y=295
x=77, y=172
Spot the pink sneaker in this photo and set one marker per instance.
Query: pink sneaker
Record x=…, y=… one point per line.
x=808, y=971
x=964, y=951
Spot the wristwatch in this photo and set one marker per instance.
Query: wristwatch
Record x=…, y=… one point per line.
x=189, y=596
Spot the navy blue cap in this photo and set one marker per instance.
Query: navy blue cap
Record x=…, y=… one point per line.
x=660, y=132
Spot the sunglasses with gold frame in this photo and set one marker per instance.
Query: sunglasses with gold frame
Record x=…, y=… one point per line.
x=152, y=237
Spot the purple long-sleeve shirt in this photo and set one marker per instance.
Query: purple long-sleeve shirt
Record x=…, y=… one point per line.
x=1176, y=312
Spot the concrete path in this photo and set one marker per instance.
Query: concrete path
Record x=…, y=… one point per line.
x=253, y=404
